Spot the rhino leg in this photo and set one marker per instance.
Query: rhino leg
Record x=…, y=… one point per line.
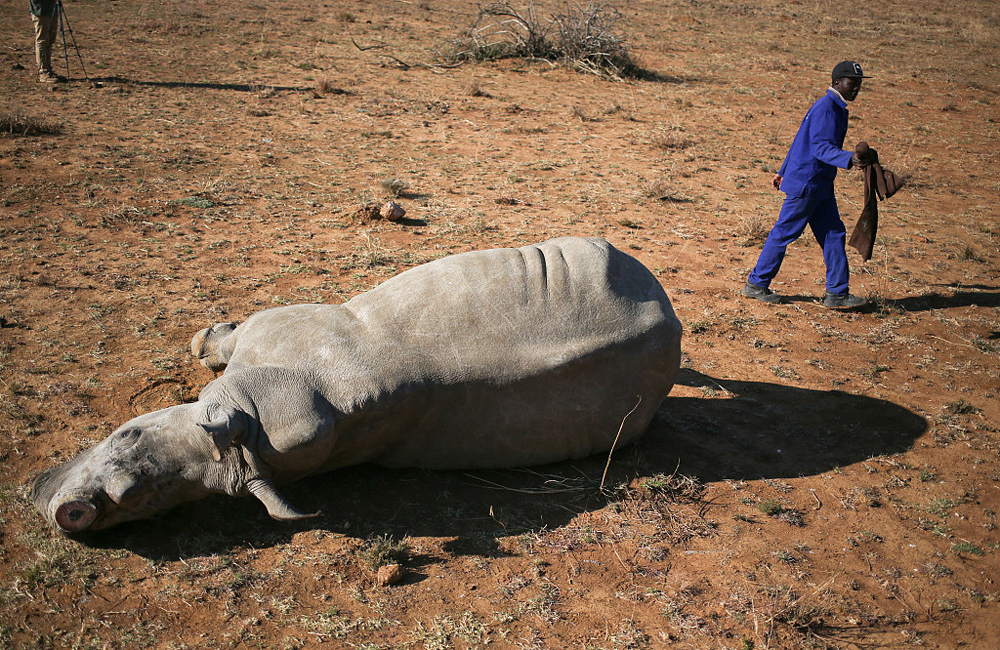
x=276, y=504
x=214, y=345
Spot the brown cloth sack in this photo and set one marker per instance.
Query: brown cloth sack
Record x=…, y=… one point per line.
x=880, y=184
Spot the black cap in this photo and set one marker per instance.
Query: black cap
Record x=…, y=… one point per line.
x=848, y=69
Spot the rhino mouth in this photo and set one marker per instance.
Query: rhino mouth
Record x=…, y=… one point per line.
x=76, y=515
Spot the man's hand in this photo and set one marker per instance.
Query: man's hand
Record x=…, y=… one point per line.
x=776, y=181
x=863, y=156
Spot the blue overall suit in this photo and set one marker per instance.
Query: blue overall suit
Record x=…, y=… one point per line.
x=807, y=177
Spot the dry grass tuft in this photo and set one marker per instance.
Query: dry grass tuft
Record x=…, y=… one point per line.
x=671, y=141
x=394, y=187
x=662, y=190
x=752, y=230
x=327, y=87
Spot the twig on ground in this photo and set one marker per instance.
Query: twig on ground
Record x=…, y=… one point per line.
x=615, y=443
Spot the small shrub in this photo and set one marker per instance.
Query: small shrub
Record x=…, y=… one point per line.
x=770, y=507
x=966, y=547
x=383, y=550
x=774, y=508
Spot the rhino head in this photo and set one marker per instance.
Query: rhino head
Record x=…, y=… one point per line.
x=153, y=463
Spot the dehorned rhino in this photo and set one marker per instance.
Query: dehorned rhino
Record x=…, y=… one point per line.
x=498, y=358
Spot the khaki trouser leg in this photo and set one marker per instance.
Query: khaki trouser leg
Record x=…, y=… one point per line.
x=45, y=38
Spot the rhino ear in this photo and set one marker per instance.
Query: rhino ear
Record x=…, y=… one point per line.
x=224, y=425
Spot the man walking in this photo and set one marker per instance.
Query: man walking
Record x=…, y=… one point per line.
x=45, y=16
x=806, y=177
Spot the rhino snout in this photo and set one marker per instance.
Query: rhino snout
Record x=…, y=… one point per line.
x=76, y=515
x=72, y=509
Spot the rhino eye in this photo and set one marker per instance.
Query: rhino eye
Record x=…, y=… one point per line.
x=126, y=438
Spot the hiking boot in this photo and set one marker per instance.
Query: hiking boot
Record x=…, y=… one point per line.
x=49, y=77
x=762, y=294
x=842, y=300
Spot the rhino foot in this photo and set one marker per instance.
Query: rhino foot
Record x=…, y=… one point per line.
x=214, y=346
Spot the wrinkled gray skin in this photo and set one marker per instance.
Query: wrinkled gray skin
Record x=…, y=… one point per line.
x=499, y=358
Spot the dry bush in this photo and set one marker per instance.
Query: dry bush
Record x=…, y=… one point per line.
x=588, y=37
x=18, y=123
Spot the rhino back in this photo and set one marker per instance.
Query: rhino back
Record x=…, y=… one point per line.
x=513, y=311
x=484, y=359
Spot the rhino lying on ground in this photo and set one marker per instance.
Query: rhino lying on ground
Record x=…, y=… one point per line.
x=498, y=358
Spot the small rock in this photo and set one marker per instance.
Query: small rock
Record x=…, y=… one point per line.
x=392, y=211
x=389, y=574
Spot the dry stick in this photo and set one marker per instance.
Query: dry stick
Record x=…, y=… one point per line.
x=615, y=443
x=967, y=344
x=369, y=47
x=404, y=64
x=615, y=550
x=498, y=486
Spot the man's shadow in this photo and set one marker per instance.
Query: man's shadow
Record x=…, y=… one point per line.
x=710, y=429
x=968, y=296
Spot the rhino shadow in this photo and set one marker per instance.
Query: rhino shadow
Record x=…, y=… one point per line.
x=735, y=430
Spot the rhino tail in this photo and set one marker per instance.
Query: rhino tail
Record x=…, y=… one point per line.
x=213, y=346
x=276, y=504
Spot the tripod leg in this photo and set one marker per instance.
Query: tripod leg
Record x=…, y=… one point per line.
x=62, y=31
x=69, y=28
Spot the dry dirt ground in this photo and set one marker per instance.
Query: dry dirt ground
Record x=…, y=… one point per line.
x=816, y=479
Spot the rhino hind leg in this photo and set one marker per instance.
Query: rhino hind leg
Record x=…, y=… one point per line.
x=214, y=345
